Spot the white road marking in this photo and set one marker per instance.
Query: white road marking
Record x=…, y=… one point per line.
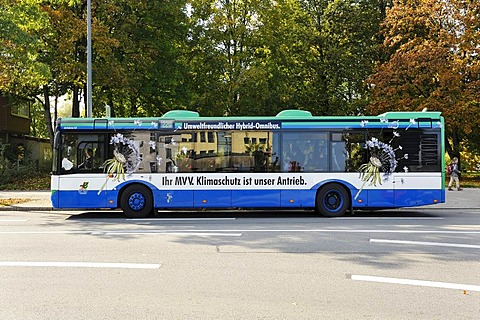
x=388, y=218
x=183, y=219
x=79, y=264
x=235, y=231
x=46, y=232
x=176, y=233
x=423, y=243
x=422, y=283
x=312, y=231
x=330, y=231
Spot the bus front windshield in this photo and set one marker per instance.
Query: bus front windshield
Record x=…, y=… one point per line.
x=81, y=152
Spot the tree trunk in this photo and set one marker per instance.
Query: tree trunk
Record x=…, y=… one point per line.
x=57, y=94
x=453, y=149
x=112, y=106
x=48, y=115
x=75, y=103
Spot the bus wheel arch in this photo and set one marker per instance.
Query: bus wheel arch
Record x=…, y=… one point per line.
x=333, y=200
x=136, y=200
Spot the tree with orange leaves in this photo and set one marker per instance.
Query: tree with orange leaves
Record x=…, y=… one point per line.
x=433, y=61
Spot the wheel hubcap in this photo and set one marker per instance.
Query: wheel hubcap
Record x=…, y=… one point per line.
x=333, y=200
x=136, y=201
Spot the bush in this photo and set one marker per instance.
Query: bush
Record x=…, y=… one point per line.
x=18, y=172
x=468, y=180
x=17, y=175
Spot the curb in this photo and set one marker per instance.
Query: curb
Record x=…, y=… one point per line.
x=14, y=208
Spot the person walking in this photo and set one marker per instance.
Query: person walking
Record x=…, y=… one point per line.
x=454, y=173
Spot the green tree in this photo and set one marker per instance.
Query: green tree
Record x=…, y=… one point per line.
x=348, y=49
x=21, y=68
x=259, y=57
x=285, y=54
x=221, y=35
x=139, y=65
x=137, y=54
x=218, y=57
x=38, y=127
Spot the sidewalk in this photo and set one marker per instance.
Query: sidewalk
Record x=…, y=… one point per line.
x=36, y=200
x=40, y=200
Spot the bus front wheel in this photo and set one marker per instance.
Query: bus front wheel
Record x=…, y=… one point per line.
x=333, y=200
x=136, y=201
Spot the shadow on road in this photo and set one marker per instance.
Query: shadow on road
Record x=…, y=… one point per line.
x=256, y=214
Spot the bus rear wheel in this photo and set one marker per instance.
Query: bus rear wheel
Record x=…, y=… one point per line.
x=136, y=201
x=333, y=200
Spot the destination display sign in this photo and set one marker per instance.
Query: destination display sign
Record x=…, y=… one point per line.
x=228, y=125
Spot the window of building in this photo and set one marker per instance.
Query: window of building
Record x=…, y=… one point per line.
x=20, y=109
x=211, y=138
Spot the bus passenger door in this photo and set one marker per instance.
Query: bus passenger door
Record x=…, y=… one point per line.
x=82, y=177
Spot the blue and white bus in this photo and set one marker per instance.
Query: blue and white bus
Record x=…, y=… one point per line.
x=291, y=160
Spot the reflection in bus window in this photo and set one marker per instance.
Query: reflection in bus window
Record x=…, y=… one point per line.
x=347, y=151
x=305, y=151
x=68, y=151
x=221, y=151
x=339, y=156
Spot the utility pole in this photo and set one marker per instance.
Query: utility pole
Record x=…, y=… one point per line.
x=89, y=59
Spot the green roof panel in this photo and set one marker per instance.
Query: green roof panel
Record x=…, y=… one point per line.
x=294, y=114
x=176, y=114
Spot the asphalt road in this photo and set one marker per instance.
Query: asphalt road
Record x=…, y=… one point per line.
x=398, y=264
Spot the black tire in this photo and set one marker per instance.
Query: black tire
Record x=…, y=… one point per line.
x=333, y=200
x=136, y=201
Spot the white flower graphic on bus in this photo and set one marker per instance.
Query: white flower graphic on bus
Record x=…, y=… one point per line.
x=126, y=159
x=382, y=157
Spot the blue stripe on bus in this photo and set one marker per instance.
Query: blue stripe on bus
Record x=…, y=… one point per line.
x=373, y=198
x=79, y=199
x=411, y=198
